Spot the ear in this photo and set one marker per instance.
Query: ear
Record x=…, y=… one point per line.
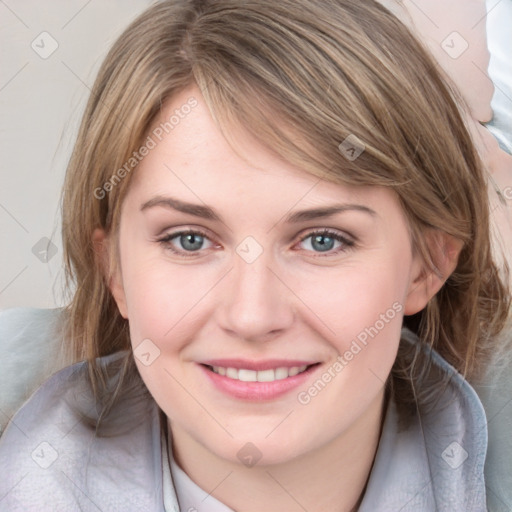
x=425, y=283
x=102, y=248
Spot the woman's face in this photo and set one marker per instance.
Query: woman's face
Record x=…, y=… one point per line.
x=260, y=289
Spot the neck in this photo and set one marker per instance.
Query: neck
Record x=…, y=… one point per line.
x=332, y=477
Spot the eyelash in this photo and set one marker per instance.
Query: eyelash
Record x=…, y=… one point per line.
x=347, y=244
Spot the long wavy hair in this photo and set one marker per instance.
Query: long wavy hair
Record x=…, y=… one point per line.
x=301, y=76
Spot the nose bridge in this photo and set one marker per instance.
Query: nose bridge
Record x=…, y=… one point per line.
x=256, y=303
x=253, y=277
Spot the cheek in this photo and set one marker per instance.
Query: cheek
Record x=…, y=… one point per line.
x=161, y=296
x=363, y=312
x=357, y=297
x=359, y=311
x=162, y=301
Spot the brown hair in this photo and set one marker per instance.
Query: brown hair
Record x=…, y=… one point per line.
x=302, y=76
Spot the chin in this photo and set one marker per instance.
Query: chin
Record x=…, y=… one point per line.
x=265, y=450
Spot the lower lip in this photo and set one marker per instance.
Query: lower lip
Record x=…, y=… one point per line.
x=257, y=391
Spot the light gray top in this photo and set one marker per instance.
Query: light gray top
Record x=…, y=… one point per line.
x=50, y=459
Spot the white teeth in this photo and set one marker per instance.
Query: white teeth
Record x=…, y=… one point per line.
x=282, y=373
x=247, y=375
x=232, y=373
x=266, y=376
x=259, y=376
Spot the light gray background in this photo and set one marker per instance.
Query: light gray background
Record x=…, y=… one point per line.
x=41, y=101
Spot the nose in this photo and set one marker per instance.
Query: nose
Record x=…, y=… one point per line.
x=257, y=304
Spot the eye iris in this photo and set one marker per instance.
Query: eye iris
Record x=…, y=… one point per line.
x=320, y=239
x=191, y=237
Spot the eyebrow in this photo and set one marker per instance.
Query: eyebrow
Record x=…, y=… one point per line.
x=206, y=212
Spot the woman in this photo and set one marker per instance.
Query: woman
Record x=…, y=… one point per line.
x=278, y=230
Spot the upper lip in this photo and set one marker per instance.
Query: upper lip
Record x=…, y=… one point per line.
x=251, y=364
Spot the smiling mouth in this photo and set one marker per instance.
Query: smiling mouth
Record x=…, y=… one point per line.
x=270, y=375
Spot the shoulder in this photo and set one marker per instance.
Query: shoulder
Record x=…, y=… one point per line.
x=30, y=340
x=454, y=426
x=52, y=459
x=495, y=392
x=455, y=433
x=437, y=462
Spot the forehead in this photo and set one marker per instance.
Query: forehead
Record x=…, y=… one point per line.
x=192, y=159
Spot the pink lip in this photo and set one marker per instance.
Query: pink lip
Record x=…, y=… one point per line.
x=251, y=364
x=257, y=391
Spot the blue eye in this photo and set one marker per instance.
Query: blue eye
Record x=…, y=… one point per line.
x=191, y=242
x=323, y=241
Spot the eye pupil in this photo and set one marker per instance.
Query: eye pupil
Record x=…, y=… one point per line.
x=323, y=246
x=191, y=238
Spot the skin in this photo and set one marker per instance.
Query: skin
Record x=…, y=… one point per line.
x=293, y=301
